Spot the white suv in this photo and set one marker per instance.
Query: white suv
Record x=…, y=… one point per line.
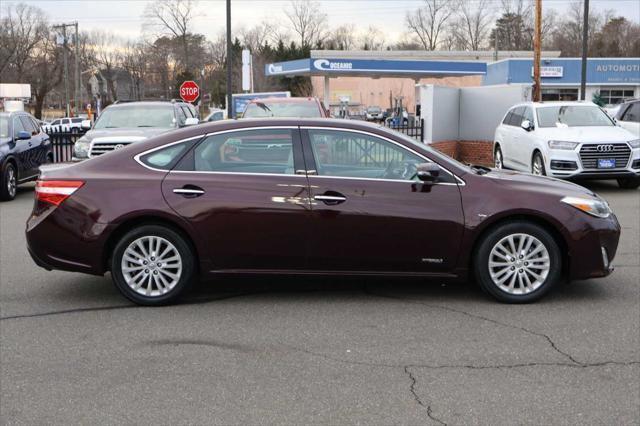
x=567, y=140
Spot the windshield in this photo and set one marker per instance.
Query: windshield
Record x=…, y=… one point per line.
x=572, y=116
x=282, y=109
x=373, y=109
x=4, y=126
x=136, y=116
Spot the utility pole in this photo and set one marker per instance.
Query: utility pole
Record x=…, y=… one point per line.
x=66, y=68
x=75, y=41
x=229, y=60
x=585, y=48
x=537, y=42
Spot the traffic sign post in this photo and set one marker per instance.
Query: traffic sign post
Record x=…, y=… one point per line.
x=189, y=91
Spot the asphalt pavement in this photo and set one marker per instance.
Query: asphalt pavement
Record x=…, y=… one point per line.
x=318, y=350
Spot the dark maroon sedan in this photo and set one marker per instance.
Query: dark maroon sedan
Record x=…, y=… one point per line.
x=312, y=196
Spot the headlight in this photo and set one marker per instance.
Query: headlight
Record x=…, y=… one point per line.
x=591, y=206
x=635, y=143
x=81, y=148
x=562, y=145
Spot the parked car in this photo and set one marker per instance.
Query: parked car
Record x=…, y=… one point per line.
x=374, y=113
x=325, y=196
x=628, y=116
x=125, y=123
x=23, y=148
x=285, y=107
x=66, y=124
x=215, y=115
x=567, y=140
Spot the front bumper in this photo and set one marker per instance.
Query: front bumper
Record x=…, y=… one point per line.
x=586, y=253
x=566, y=164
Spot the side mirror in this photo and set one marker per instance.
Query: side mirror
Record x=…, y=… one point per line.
x=527, y=125
x=23, y=135
x=191, y=121
x=86, y=124
x=428, y=172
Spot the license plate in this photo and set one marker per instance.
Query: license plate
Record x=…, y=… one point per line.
x=606, y=163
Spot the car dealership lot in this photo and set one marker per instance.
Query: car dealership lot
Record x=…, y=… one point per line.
x=321, y=350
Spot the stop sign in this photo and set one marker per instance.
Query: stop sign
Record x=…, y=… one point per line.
x=189, y=91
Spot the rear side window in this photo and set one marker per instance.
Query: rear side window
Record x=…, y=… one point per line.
x=632, y=113
x=249, y=151
x=165, y=158
x=76, y=120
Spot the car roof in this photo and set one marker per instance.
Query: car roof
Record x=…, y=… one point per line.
x=276, y=100
x=145, y=103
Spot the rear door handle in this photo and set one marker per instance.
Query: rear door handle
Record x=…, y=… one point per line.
x=331, y=198
x=189, y=191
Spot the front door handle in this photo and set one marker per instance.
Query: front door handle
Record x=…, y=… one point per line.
x=331, y=198
x=189, y=191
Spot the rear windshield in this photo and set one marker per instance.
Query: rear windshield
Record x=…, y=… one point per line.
x=374, y=109
x=282, y=109
x=136, y=116
x=572, y=116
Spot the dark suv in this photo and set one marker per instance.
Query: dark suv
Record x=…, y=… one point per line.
x=23, y=148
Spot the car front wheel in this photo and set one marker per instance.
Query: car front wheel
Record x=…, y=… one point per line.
x=537, y=165
x=8, y=183
x=152, y=265
x=497, y=158
x=518, y=262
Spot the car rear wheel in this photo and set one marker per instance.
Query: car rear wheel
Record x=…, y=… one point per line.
x=518, y=262
x=629, y=183
x=537, y=165
x=497, y=158
x=152, y=265
x=8, y=183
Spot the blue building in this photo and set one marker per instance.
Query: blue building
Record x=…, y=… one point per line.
x=614, y=79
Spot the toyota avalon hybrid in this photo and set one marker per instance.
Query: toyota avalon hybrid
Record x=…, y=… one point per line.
x=312, y=196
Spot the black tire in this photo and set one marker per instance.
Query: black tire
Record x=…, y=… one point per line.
x=629, y=183
x=180, y=244
x=8, y=182
x=497, y=234
x=497, y=154
x=538, y=157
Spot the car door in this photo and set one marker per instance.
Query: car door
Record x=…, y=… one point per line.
x=21, y=149
x=240, y=190
x=524, y=142
x=33, y=153
x=370, y=214
x=630, y=118
x=505, y=138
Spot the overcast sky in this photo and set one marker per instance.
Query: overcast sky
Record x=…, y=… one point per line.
x=124, y=17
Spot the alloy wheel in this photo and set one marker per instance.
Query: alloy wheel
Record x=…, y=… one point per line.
x=11, y=182
x=538, y=167
x=151, y=266
x=498, y=159
x=519, y=264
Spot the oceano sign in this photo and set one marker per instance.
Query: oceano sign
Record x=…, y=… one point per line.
x=325, y=64
x=274, y=69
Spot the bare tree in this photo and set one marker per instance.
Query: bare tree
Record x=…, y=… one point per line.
x=21, y=30
x=427, y=23
x=307, y=21
x=134, y=60
x=567, y=36
x=342, y=38
x=44, y=69
x=173, y=18
x=473, y=24
x=108, y=57
x=256, y=37
x=372, y=39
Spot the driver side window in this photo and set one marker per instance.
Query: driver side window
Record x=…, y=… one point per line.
x=356, y=155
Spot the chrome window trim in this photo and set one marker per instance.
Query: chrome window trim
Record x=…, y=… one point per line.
x=460, y=181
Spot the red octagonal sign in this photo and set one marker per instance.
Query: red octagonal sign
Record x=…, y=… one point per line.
x=189, y=91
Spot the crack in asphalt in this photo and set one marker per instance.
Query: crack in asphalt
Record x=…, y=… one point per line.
x=412, y=389
x=491, y=320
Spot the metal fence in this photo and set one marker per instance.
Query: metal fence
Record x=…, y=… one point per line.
x=412, y=128
x=62, y=145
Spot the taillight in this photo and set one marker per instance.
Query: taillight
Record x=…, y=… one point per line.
x=56, y=191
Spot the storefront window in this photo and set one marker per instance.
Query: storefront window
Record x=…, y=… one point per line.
x=616, y=96
x=559, y=94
